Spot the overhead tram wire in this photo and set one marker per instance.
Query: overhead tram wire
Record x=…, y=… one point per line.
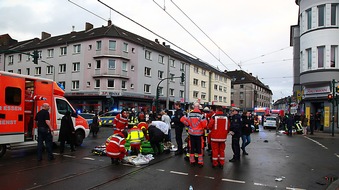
x=205, y=34
x=266, y=54
x=148, y=29
x=190, y=34
x=88, y=10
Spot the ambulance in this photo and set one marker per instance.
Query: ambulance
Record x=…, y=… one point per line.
x=21, y=97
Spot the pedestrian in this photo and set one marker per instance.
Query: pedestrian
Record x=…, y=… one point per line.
x=179, y=127
x=196, y=125
x=156, y=136
x=45, y=131
x=120, y=122
x=67, y=132
x=289, y=122
x=304, y=121
x=312, y=123
x=277, y=123
x=317, y=121
x=166, y=119
x=246, y=131
x=219, y=126
x=95, y=125
x=235, y=131
x=115, y=147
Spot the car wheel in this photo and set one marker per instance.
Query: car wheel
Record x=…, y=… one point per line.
x=79, y=137
x=3, y=149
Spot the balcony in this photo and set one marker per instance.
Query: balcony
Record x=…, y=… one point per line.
x=99, y=73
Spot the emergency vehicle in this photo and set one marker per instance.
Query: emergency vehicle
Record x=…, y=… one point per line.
x=15, y=129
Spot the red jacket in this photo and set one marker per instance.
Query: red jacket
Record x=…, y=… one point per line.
x=115, y=145
x=120, y=123
x=219, y=126
x=195, y=122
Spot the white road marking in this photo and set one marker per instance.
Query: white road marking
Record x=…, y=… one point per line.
x=337, y=155
x=180, y=173
x=68, y=156
x=264, y=185
x=232, y=180
x=316, y=142
x=88, y=158
x=293, y=188
x=161, y=170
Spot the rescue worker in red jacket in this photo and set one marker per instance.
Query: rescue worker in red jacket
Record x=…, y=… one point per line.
x=219, y=126
x=115, y=147
x=29, y=105
x=196, y=126
x=120, y=122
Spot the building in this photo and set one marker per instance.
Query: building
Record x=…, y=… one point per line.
x=248, y=92
x=109, y=68
x=315, y=43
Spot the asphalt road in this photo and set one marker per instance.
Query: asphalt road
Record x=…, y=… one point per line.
x=274, y=162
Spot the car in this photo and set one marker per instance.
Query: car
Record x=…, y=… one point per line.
x=270, y=122
x=108, y=117
x=88, y=117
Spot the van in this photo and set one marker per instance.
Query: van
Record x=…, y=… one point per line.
x=21, y=97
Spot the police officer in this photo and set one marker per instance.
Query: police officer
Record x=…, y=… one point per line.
x=235, y=131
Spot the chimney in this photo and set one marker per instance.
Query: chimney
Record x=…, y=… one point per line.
x=88, y=26
x=164, y=43
x=225, y=71
x=45, y=35
x=251, y=74
x=109, y=23
x=157, y=41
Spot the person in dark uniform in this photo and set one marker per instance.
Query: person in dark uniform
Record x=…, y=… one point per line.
x=235, y=131
x=45, y=131
x=67, y=132
x=179, y=127
x=312, y=123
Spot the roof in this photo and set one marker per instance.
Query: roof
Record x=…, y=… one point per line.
x=242, y=77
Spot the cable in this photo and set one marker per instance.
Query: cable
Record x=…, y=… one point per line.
x=265, y=54
x=88, y=10
x=191, y=34
x=206, y=34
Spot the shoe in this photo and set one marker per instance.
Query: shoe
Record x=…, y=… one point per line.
x=234, y=160
x=244, y=153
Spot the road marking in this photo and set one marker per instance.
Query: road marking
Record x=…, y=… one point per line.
x=68, y=156
x=337, y=155
x=88, y=158
x=293, y=188
x=316, y=142
x=232, y=180
x=161, y=170
x=180, y=173
x=264, y=185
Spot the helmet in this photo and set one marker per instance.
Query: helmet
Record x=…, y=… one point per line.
x=206, y=109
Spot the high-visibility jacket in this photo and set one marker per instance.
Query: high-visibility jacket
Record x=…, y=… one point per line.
x=135, y=136
x=120, y=123
x=219, y=126
x=115, y=145
x=142, y=126
x=195, y=122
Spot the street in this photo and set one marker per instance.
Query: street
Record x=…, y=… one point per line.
x=274, y=162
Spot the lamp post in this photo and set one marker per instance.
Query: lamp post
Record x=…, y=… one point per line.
x=52, y=67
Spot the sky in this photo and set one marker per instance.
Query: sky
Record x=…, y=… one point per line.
x=253, y=36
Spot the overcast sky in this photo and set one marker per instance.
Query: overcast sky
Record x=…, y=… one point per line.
x=252, y=34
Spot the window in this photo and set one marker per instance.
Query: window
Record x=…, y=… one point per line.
x=125, y=47
x=195, y=94
x=10, y=71
x=161, y=59
x=225, y=89
x=215, y=98
x=321, y=15
x=89, y=65
x=147, y=55
x=321, y=56
x=309, y=18
x=196, y=69
x=333, y=14
x=203, y=96
x=123, y=84
x=225, y=99
x=171, y=91
x=63, y=84
x=28, y=71
x=111, y=64
x=97, y=83
x=147, y=88
x=172, y=63
x=161, y=91
x=132, y=67
x=215, y=87
x=49, y=69
x=88, y=84
x=241, y=96
x=76, y=66
x=203, y=72
x=195, y=82
x=147, y=71
x=10, y=60
x=181, y=93
x=309, y=58
x=241, y=86
x=182, y=66
x=98, y=66
x=98, y=45
x=334, y=55
x=220, y=98
x=203, y=84
x=220, y=88
x=110, y=83
x=62, y=68
x=112, y=45
x=19, y=57
x=124, y=66
x=75, y=85
x=63, y=51
x=160, y=74
x=172, y=77
x=19, y=71
x=77, y=48
x=37, y=71
x=216, y=77
x=50, y=52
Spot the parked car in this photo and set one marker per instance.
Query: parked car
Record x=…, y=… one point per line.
x=89, y=117
x=270, y=122
x=108, y=117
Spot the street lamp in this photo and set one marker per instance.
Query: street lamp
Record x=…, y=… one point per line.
x=52, y=67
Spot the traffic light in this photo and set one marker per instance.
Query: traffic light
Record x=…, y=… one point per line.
x=330, y=97
x=35, y=56
x=337, y=89
x=182, y=77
